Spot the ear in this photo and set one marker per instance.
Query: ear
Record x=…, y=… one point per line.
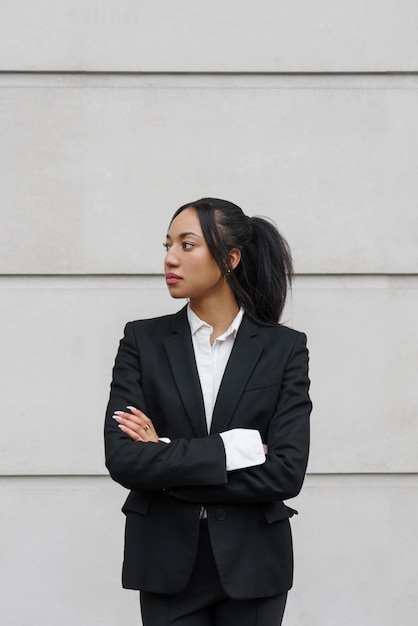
x=234, y=257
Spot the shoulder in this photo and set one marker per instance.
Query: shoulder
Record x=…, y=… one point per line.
x=286, y=337
x=161, y=324
x=291, y=333
x=278, y=332
x=150, y=322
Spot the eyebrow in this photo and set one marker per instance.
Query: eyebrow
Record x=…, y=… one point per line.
x=183, y=235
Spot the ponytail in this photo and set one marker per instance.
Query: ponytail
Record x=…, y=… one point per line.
x=265, y=272
x=261, y=279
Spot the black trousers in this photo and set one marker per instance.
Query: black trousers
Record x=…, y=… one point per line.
x=204, y=603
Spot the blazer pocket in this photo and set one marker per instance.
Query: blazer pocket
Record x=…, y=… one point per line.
x=276, y=511
x=265, y=380
x=137, y=502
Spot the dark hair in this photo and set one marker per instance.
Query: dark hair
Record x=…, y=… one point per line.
x=261, y=279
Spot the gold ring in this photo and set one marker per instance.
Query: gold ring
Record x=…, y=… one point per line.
x=146, y=427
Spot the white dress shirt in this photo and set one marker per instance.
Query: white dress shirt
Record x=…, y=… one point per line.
x=243, y=447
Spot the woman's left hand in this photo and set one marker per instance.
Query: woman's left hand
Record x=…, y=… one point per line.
x=136, y=425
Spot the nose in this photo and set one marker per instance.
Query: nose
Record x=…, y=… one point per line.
x=171, y=259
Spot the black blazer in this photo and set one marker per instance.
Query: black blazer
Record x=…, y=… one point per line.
x=265, y=386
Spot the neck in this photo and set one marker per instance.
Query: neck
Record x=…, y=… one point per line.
x=218, y=312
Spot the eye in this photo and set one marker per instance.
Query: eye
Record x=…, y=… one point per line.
x=186, y=245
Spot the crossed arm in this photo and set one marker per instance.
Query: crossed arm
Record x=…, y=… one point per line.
x=243, y=449
x=196, y=469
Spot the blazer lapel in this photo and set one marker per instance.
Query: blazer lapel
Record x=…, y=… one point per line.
x=179, y=348
x=244, y=356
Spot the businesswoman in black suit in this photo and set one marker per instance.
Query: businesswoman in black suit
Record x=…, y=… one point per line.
x=208, y=426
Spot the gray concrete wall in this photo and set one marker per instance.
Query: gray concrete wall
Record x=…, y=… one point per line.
x=112, y=114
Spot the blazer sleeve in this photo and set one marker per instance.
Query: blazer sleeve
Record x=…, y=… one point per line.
x=153, y=466
x=281, y=476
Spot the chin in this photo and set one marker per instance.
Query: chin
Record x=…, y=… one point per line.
x=176, y=295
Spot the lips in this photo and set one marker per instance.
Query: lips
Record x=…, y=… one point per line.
x=172, y=279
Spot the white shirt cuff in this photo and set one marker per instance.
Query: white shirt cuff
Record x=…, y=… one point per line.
x=243, y=448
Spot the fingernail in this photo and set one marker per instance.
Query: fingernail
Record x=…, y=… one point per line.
x=116, y=417
x=121, y=426
x=131, y=407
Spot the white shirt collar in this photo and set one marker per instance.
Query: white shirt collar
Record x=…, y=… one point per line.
x=196, y=324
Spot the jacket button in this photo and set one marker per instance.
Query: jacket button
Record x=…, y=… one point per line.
x=220, y=514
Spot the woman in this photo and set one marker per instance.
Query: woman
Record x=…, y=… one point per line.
x=208, y=426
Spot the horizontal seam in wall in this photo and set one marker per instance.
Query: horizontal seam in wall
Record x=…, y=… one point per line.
x=309, y=475
x=207, y=73
x=160, y=274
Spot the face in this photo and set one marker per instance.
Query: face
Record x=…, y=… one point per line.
x=191, y=271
